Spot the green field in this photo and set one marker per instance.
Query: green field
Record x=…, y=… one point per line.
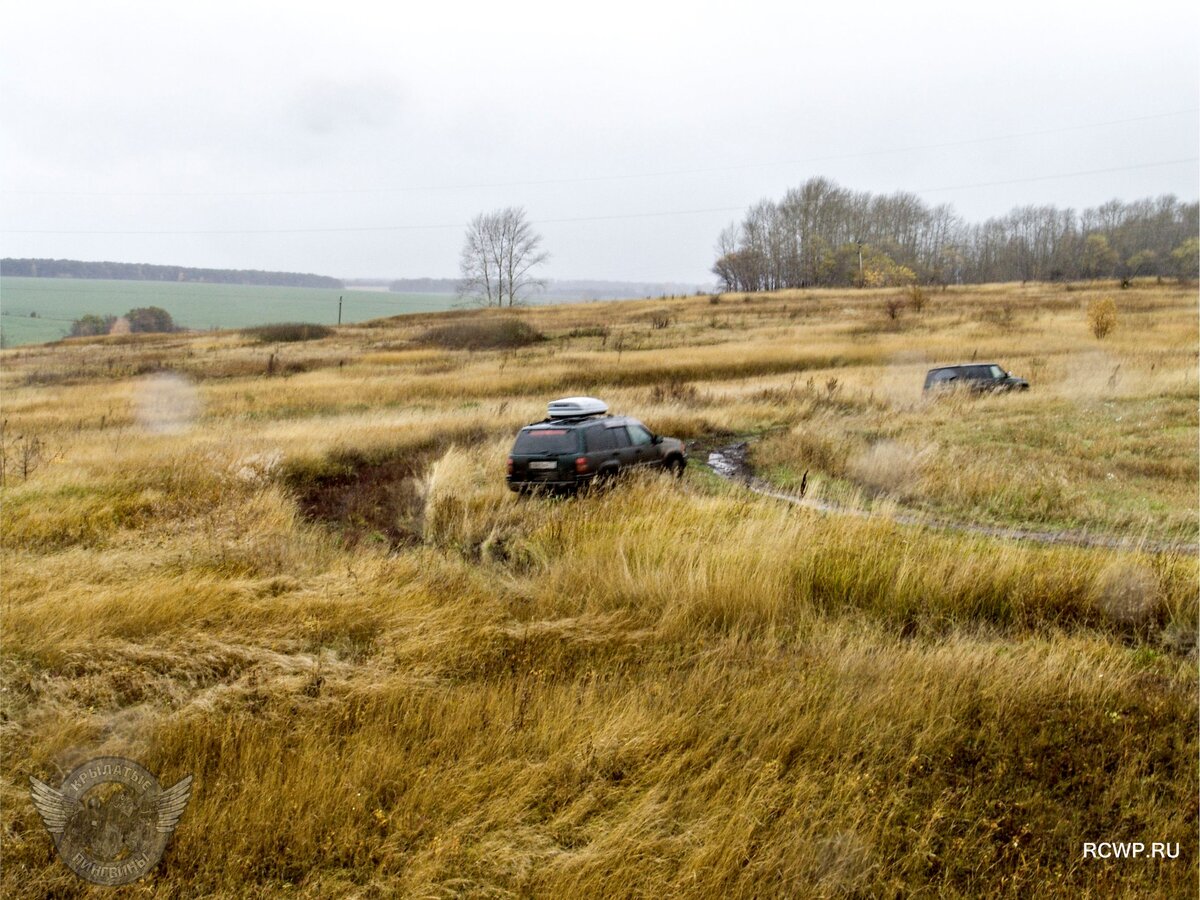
x=59, y=301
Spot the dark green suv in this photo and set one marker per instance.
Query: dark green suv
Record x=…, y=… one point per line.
x=578, y=443
x=978, y=379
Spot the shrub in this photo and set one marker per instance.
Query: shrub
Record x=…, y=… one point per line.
x=917, y=298
x=288, y=332
x=1102, y=316
x=91, y=325
x=1185, y=260
x=496, y=333
x=150, y=320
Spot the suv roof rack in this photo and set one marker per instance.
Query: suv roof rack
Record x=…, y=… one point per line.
x=576, y=408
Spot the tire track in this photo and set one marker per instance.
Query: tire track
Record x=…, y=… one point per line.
x=730, y=463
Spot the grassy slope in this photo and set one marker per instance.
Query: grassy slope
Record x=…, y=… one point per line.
x=663, y=690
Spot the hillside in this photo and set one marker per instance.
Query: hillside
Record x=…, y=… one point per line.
x=295, y=571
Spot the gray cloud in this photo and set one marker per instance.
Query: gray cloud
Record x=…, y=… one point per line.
x=335, y=107
x=221, y=116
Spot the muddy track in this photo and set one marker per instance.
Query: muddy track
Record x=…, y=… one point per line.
x=730, y=462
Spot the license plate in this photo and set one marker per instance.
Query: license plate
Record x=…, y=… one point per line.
x=543, y=465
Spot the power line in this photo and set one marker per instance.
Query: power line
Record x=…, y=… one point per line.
x=195, y=231
x=615, y=177
x=983, y=184
x=573, y=219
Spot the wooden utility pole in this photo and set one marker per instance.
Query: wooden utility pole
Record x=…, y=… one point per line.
x=339, y=309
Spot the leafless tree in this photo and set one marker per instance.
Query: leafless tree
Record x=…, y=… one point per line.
x=499, y=254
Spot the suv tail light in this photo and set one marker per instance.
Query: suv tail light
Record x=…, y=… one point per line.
x=581, y=465
x=510, y=465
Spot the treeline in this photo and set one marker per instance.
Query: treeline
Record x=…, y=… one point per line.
x=424, y=285
x=73, y=268
x=823, y=234
x=562, y=289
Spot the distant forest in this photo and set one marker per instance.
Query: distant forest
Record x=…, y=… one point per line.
x=823, y=234
x=424, y=285
x=73, y=268
x=565, y=289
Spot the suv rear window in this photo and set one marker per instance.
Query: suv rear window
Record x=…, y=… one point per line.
x=547, y=440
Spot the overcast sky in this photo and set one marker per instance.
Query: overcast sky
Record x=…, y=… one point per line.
x=304, y=122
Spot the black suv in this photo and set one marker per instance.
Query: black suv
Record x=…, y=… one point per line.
x=579, y=443
x=977, y=378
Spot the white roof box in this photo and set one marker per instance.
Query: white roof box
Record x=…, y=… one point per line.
x=576, y=408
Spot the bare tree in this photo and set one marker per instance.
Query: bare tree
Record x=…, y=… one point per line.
x=814, y=235
x=499, y=254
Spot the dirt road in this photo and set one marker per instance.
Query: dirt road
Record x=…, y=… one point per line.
x=731, y=463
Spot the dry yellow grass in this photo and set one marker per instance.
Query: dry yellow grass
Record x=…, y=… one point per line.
x=391, y=677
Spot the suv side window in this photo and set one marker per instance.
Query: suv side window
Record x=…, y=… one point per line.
x=638, y=434
x=981, y=373
x=600, y=438
x=618, y=433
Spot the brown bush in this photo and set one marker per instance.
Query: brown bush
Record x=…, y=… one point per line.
x=496, y=333
x=288, y=332
x=1102, y=316
x=917, y=298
